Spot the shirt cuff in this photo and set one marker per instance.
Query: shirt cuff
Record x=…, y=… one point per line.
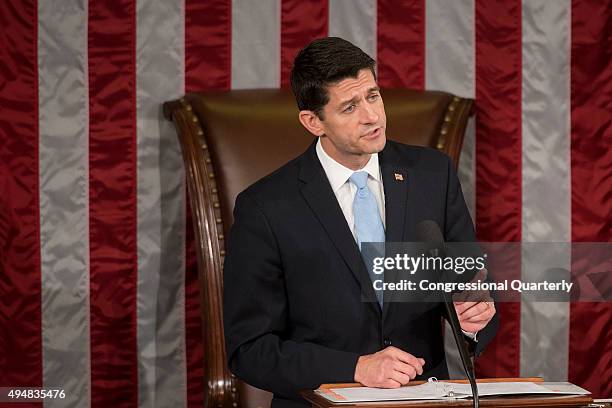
x=471, y=336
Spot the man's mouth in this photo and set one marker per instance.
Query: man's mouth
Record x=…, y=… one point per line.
x=373, y=133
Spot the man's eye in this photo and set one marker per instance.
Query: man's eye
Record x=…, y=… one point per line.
x=349, y=109
x=373, y=97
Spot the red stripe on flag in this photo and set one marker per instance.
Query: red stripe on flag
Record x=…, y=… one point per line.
x=498, y=161
x=20, y=285
x=590, y=347
x=208, y=34
x=401, y=44
x=112, y=198
x=301, y=22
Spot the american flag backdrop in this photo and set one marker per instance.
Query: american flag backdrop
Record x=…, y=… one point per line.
x=98, y=288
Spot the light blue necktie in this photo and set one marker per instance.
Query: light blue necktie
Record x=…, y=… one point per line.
x=368, y=223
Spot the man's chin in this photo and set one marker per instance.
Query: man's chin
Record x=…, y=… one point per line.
x=376, y=146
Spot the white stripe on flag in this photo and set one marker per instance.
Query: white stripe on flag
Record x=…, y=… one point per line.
x=161, y=214
x=355, y=21
x=255, y=44
x=449, y=66
x=546, y=180
x=449, y=47
x=64, y=199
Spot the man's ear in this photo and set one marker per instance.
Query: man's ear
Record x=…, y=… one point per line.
x=311, y=122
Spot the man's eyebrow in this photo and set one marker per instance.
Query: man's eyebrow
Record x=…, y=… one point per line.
x=356, y=99
x=348, y=101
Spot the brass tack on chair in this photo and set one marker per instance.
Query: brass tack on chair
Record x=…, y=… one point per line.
x=447, y=118
x=221, y=236
x=195, y=119
x=207, y=160
x=214, y=190
x=444, y=131
x=216, y=205
x=204, y=146
x=188, y=107
x=182, y=100
x=222, y=253
x=211, y=175
x=455, y=98
x=200, y=133
x=451, y=108
x=219, y=220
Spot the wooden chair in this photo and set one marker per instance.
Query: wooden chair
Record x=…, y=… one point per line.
x=230, y=140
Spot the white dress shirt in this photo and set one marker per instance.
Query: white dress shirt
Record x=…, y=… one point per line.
x=338, y=176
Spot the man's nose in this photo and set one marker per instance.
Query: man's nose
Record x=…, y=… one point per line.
x=369, y=114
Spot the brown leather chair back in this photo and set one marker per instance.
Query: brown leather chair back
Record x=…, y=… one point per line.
x=231, y=139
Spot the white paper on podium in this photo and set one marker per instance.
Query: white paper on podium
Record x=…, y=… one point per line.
x=518, y=388
x=565, y=388
x=439, y=390
x=427, y=391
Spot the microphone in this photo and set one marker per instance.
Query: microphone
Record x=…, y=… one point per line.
x=429, y=232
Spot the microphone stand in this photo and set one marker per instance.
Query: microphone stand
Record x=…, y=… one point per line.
x=468, y=366
x=463, y=352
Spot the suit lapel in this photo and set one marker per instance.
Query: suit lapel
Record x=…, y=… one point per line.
x=321, y=199
x=396, y=181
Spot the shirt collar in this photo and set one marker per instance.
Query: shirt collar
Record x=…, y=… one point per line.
x=337, y=174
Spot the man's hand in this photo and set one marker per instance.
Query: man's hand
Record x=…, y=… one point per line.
x=388, y=368
x=475, y=308
x=474, y=316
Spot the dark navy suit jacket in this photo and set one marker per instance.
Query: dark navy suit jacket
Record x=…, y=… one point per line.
x=293, y=275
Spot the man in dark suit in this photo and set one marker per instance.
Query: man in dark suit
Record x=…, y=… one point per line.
x=294, y=274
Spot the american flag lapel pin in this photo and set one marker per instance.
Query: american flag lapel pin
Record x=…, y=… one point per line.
x=399, y=177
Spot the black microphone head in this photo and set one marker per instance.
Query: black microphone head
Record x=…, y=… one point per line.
x=429, y=231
